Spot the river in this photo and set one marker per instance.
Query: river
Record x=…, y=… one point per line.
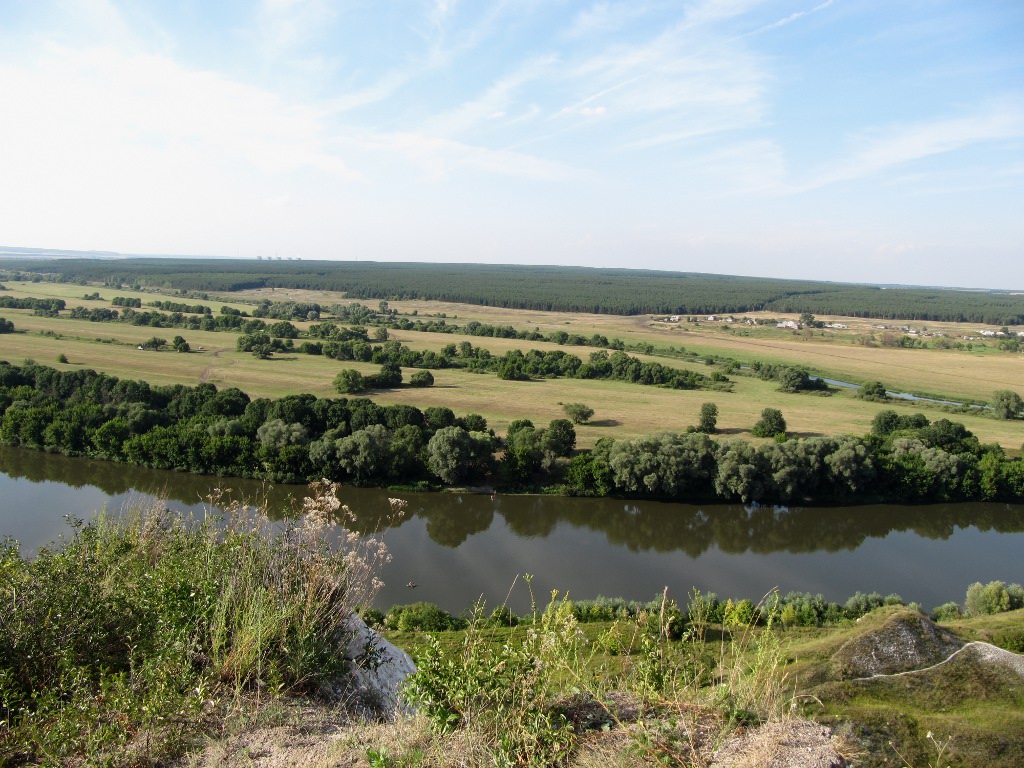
x=457, y=548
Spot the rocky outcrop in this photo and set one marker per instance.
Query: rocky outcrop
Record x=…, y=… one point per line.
x=905, y=641
x=379, y=669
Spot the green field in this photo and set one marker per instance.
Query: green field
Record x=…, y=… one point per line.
x=621, y=409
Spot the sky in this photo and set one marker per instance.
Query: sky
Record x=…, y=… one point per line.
x=876, y=141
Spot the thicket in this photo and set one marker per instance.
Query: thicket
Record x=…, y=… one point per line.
x=123, y=643
x=300, y=437
x=572, y=289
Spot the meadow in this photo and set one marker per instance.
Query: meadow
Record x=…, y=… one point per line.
x=621, y=409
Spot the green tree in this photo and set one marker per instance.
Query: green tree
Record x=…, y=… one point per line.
x=708, y=422
x=873, y=390
x=770, y=424
x=6, y=326
x=276, y=433
x=1006, y=404
x=449, y=454
x=365, y=454
x=179, y=344
x=154, y=343
x=578, y=412
x=559, y=439
x=422, y=379
x=349, y=381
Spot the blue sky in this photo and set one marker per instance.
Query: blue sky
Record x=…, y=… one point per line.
x=853, y=140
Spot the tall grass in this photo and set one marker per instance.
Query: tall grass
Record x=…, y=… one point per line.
x=120, y=640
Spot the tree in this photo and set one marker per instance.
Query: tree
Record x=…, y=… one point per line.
x=559, y=438
x=422, y=379
x=6, y=326
x=349, y=381
x=770, y=424
x=578, y=412
x=277, y=433
x=1006, y=404
x=873, y=390
x=154, y=343
x=708, y=423
x=259, y=343
x=179, y=344
x=449, y=453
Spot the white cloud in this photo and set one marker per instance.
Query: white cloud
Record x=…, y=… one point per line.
x=793, y=17
x=439, y=158
x=882, y=150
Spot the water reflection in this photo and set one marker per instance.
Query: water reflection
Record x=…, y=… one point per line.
x=458, y=547
x=638, y=526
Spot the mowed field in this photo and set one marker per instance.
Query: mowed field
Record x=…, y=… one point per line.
x=621, y=409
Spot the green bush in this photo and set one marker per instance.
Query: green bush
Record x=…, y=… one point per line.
x=136, y=622
x=421, y=617
x=994, y=597
x=509, y=693
x=946, y=612
x=1011, y=639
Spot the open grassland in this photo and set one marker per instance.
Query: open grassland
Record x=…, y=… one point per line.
x=621, y=409
x=956, y=374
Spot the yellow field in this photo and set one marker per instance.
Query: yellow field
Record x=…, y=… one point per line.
x=621, y=409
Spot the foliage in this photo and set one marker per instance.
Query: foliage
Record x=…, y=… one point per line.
x=421, y=617
x=6, y=326
x=873, y=390
x=1007, y=404
x=349, y=381
x=770, y=424
x=117, y=641
x=422, y=379
x=994, y=597
x=507, y=694
x=571, y=289
x=578, y=412
x=708, y=421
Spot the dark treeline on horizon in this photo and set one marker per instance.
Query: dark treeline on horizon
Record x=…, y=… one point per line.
x=546, y=288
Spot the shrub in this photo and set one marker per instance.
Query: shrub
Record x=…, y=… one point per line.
x=508, y=693
x=136, y=622
x=994, y=597
x=421, y=617
x=422, y=379
x=578, y=412
x=946, y=612
x=770, y=424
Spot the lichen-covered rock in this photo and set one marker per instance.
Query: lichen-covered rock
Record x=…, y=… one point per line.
x=904, y=642
x=379, y=669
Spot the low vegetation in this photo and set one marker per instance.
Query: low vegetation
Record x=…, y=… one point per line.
x=135, y=636
x=144, y=635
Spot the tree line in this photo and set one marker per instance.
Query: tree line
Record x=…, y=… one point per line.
x=300, y=437
x=546, y=288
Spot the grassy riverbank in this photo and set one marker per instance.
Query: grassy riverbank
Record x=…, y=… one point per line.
x=149, y=638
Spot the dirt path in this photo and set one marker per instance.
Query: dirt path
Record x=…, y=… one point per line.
x=208, y=370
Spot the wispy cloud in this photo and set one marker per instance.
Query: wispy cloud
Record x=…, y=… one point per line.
x=500, y=97
x=793, y=17
x=881, y=150
x=439, y=158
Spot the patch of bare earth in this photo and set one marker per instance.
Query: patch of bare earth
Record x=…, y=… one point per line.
x=782, y=744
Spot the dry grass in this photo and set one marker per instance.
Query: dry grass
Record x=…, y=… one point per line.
x=622, y=410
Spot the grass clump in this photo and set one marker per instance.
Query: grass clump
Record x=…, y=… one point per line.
x=121, y=642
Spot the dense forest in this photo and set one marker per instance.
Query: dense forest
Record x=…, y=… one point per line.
x=571, y=289
x=300, y=437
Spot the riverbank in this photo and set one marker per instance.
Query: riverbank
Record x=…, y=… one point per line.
x=140, y=639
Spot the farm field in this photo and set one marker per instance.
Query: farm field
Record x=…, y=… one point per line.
x=621, y=409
